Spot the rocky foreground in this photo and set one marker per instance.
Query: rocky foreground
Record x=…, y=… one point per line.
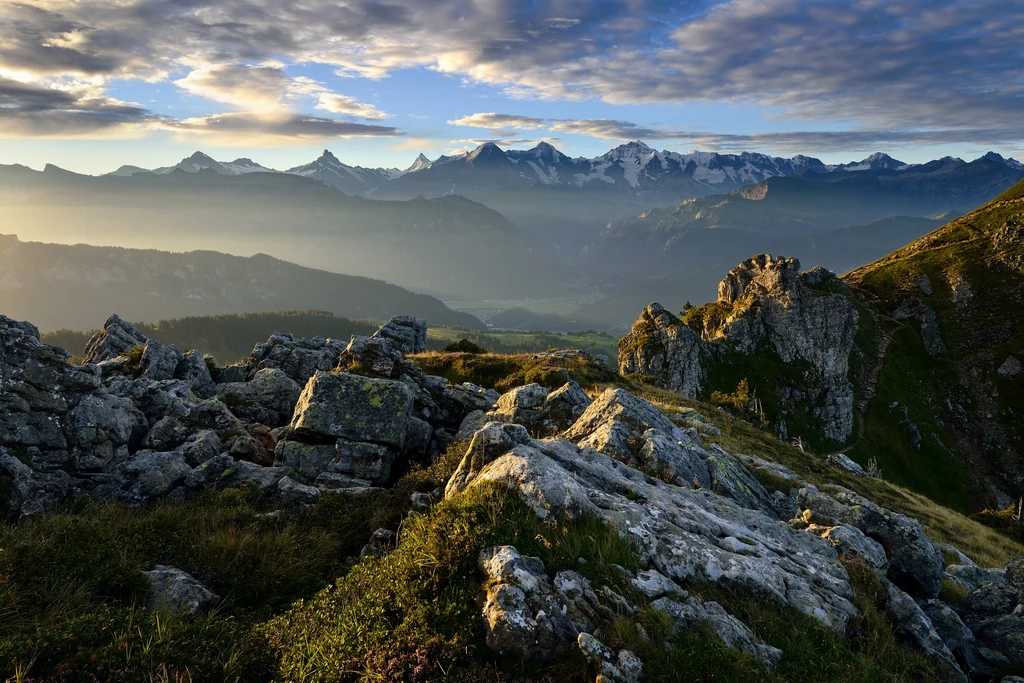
x=305, y=418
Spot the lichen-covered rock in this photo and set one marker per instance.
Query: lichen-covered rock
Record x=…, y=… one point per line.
x=566, y=404
x=116, y=337
x=1014, y=575
x=178, y=591
x=958, y=638
x=194, y=372
x=687, y=535
x=851, y=541
x=372, y=357
x=297, y=357
x=269, y=397
x=636, y=432
x=915, y=563
x=521, y=613
x=693, y=613
x=661, y=347
x=344, y=406
x=914, y=625
x=471, y=397
x=492, y=440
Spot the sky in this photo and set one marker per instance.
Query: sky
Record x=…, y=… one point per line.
x=92, y=84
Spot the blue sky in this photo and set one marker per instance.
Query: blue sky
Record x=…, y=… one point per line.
x=92, y=85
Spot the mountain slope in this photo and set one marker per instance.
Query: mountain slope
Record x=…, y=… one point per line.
x=949, y=306
x=66, y=286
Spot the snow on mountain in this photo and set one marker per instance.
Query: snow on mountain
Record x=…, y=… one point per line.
x=329, y=170
x=879, y=161
x=198, y=162
x=421, y=163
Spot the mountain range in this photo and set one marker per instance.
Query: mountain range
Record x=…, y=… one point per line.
x=72, y=286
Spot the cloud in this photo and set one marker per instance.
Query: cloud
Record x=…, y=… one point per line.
x=340, y=104
x=249, y=127
x=31, y=110
x=507, y=125
x=868, y=65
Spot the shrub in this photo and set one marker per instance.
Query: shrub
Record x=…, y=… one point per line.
x=464, y=346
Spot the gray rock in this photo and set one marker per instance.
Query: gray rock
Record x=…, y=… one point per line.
x=693, y=613
x=661, y=347
x=406, y=333
x=297, y=492
x=472, y=397
x=471, y=424
x=268, y=398
x=116, y=337
x=159, y=361
x=687, y=535
x=915, y=564
x=1010, y=367
x=521, y=615
x=913, y=624
x=177, y=591
x=354, y=408
x=654, y=584
x=372, y=357
x=264, y=478
x=1005, y=635
x=298, y=358
x=167, y=434
x=365, y=461
x=527, y=396
x=194, y=372
x=973, y=576
x=1014, y=575
x=493, y=440
x=958, y=638
x=201, y=446
x=238, y=372
x=565, y=404
x=152, y=474
x=848, y=540
x=843, y=461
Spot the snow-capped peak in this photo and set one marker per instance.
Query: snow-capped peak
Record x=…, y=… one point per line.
x=421, y=163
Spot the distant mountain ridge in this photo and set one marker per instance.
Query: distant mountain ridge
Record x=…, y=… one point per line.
x=73, y=286
x=633, y=167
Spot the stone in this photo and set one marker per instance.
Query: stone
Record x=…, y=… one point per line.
x=297, y=492
x=654, y=584
x=269, y=397
x=958, y=638
x=237, y=372
x=661, y=347
x=167, y=434
x=356, y=408
x=566, y=403
x=913, y=625
x=851, y=541
x=972, y=576
x=407, y=334
x=371, y=357
x=494, y=439
x=693, y=613
x=527, y=396
x=159, y=361
x=1014, y=575
x=194, y=372
x=1005, y=635
x=765, y=306
x=471, y=397
x=178, y=591
x=915, y=563
x=152, y=474
x=844, y=461
x=471, y=424
x=116, y=337
x=684, y=534
x=521, y=614
x=201, y=446
x=297, y=357
x=1010, y=367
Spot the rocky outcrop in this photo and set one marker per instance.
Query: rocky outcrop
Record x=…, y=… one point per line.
x=146, y=421
x=660, y=347
x=766, y=308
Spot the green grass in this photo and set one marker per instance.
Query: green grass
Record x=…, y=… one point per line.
x=505, y=371
x=912, y=378
x=524, y=342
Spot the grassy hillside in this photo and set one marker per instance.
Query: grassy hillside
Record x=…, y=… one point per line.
x=969, y=437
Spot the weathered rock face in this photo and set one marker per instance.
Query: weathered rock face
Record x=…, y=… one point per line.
x=116, y=337
x=177, y=591
x=408, y=334
x=686, y=535
x=663, y=348
x=765, y=306
x=153, y=423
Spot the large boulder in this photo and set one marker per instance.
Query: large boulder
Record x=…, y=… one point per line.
x=636, y=432
x=686, y=535
x=194, y=371
x=915, y=563
x=297, y=357
x=177, y=591
x=372, y=357
x=914, y=625
x=660, y=347
x=116, y=337
x=344, y=406
x=406, y=333
x=269, y=397
x=694, y=613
